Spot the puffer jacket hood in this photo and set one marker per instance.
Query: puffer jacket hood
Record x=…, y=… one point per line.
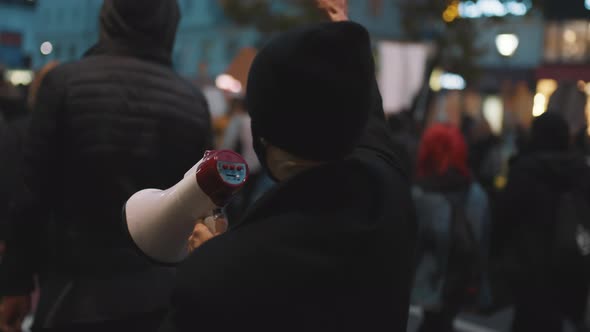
x=140, y=28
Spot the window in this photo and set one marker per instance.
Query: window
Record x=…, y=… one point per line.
x=567, y=41
x=574, y=40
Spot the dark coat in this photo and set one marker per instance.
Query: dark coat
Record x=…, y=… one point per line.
x=12, y=136
x=330, y=249
x=525, y=215
x=104, y=127
x=524, y=230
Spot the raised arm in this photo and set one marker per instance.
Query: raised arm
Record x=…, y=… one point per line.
x=377, y=137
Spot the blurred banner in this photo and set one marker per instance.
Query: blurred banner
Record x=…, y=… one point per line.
x=401, y=73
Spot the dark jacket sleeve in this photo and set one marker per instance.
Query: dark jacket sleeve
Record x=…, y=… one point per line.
x=31, y=214
x=6, y=167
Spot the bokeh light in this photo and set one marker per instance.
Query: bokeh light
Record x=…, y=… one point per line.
x=46, y=48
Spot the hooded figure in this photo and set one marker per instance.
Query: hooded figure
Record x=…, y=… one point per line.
x=117, y=121
x=525, y=228
x=144, y=29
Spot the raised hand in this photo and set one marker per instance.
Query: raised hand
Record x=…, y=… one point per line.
x=337, y=10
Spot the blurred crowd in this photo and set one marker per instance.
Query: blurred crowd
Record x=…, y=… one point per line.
x=499, y=229
x=494, y=229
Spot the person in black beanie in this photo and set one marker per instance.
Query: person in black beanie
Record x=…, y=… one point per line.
x=331, y=247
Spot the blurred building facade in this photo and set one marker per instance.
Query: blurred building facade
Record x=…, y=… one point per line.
x=566, y=54
x=206, y=42
x=16, y=32
x=567, y=41
x=382, y=18
x=519, y=66
x=69, y=27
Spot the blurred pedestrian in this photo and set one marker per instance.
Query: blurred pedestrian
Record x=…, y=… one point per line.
x=330, y=248
x=104, y=127
x=569, y=100
x=12, y=138
x=485, y=153
x=12, y=98
x=453, y=223
x=541, y=238
x=12, y=135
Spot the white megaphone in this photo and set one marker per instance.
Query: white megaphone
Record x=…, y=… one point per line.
x=160, y=222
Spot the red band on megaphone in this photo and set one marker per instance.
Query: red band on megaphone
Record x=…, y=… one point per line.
x=221, y=174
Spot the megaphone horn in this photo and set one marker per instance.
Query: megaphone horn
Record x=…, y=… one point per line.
x=161, y=221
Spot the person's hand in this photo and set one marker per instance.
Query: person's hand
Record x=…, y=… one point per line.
x=200, y=235
x=13, y=310
x=205, y=230
x=337, y=10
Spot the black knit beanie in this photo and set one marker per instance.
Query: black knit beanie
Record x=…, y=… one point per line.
x=309, y=90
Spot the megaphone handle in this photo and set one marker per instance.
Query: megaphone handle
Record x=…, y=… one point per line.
x=213, y=222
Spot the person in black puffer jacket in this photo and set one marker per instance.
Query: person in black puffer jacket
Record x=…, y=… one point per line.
x=104, y=127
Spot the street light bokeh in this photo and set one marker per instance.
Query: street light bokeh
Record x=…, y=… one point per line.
x=46, y=48
x=228, y=83
x=507, y=43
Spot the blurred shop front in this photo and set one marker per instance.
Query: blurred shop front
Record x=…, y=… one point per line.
x=566, y=56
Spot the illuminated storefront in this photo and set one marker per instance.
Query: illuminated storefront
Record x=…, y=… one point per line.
x=566, y=51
